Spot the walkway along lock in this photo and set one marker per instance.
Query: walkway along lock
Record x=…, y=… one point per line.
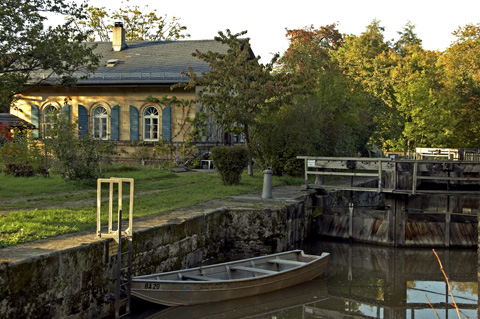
x=123, y=273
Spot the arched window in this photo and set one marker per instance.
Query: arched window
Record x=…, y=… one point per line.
x=48, y=113
x=150, y=124
x=100, y=122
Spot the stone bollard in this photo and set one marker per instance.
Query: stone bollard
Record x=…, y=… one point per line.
x=267, y=183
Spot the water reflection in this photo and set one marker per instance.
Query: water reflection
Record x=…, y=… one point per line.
x=360, y=282
x=375, y=282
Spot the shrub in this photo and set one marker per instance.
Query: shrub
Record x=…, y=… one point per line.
x=230, y=162
x=21, y=154
x=20, y=170
x=77, y=158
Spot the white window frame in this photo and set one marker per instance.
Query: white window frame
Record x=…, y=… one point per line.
x=100, y=122
x=47, y=124
x=151, y=123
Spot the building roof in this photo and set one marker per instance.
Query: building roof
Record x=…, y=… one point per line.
x=150, y=62
x=14, y=121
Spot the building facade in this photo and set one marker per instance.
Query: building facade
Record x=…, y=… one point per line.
x=113, y=104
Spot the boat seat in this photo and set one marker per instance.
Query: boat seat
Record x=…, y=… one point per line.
x=199, y=278
x=252, y=269
x=287, y=262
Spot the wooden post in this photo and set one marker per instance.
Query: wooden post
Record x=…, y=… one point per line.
x=448, y=217
x=379, y=175
x=99, y=201
x=319, y=179
x=390, y=219
x=415, y=170
x=396, y=216
x=350, y=222
x=306, y=173
x=110, y=207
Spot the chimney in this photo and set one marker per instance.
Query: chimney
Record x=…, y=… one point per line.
x=118, y=37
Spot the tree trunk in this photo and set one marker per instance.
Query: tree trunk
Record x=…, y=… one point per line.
x=247, y=144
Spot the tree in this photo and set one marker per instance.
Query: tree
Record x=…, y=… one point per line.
x=28, y=48
x=310, y=49
x=333, y=119
x=367, y=60
x=139, y=24
x=461, y=64
x=417, y=92
x=408, y=38
x=238, y=88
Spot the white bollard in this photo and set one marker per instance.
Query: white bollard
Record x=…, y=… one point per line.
x=267, y=183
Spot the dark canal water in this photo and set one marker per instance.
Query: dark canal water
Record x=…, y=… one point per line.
x=361, y=281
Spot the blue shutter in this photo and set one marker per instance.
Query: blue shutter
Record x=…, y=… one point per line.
x=133, y=123
x=66, y=112
x=114, y=128
x=82, y=120
x=166, y=123
x=35, y=119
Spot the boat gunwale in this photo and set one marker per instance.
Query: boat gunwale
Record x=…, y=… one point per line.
x=151, y=278
x=172, y=294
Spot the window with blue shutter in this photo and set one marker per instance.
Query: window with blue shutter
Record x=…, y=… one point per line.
x=151, y=121
x=82, y=120
x=166, y=123
x=35, y=119
x=133, y=123
x=114, y=128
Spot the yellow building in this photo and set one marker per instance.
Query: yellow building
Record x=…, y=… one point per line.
x=111, y=104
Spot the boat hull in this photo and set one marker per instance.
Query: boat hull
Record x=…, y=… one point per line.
x=171, y=292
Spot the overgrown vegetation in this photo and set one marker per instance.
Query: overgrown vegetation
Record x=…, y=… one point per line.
x=21, y=154
x=34, y=208
x=77, y=158
x=73, y=157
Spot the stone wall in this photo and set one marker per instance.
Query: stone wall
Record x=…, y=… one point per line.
x=78, y=282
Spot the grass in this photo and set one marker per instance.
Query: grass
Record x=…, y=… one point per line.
x=36, y=207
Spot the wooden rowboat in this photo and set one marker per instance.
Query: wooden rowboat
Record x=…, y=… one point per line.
x=290, y=302
x=232, y=280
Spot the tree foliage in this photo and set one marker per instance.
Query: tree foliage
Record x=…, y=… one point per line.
x=335, y=120
x=28, y=47
x=410, y=84
x=461, y=67
x=140, y=23
x=366, y=91
x=310, y=50
x=330, y=115
x=238, y=88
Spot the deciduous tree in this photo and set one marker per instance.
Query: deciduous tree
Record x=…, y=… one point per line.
x=309, y=50
x=140, y=23
x=238, y=88
x=28, y=47
x=461, y=63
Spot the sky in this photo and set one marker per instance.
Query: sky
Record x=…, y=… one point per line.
x=265, y=20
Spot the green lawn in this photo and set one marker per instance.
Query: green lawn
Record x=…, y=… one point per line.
x=37, y=207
